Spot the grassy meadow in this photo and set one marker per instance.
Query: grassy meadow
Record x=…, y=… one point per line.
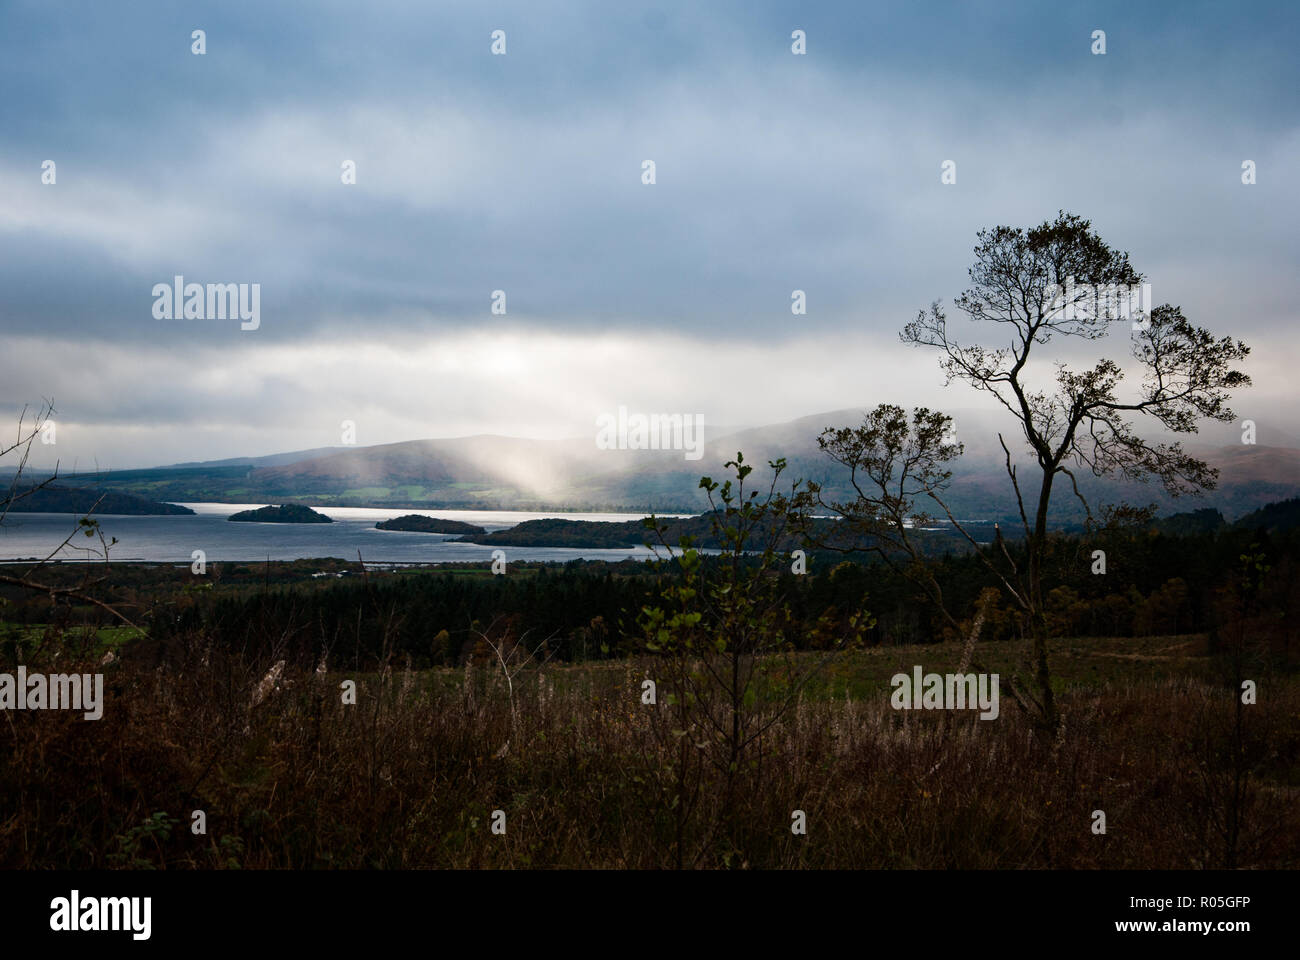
x=576, y=771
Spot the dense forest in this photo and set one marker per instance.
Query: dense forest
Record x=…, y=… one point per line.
x=1156, y=583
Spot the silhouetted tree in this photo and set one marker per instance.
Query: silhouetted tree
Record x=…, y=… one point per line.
x=1061, y=278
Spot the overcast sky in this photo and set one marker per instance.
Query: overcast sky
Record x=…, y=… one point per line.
x=523, y=173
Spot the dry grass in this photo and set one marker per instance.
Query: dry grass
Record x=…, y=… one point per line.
x=290, y=777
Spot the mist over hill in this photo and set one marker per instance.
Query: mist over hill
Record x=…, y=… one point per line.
x=497, y=472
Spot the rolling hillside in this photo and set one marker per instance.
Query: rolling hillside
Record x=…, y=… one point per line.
x=512, y=473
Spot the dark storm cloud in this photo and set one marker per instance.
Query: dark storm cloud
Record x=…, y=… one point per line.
x=475, y=173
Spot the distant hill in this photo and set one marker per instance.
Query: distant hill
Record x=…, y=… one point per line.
x=81, y=500
x=1206, y=520
x=496, y=472
x=287, y=513
x=1274, y=516
x=271, y=460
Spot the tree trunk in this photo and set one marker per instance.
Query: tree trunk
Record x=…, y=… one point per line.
x=1037, y=612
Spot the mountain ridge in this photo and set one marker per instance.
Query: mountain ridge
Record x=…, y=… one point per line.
x=493, y=471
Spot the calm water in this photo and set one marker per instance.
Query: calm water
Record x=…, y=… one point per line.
x=27, y=535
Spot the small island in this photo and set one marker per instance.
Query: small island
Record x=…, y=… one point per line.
x=285, y=513
x=417, y=523
x=604, y=534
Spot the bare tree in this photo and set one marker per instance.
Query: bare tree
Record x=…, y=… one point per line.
x=28, y=431
x=1032, y=285
x=31, y=579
